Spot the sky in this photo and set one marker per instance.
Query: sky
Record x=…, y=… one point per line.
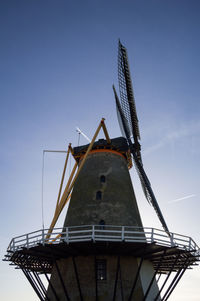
x=58, y=61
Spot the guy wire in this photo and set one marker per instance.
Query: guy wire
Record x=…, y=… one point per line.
x=43, y=190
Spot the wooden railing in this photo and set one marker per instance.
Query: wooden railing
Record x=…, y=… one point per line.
x=103, y=233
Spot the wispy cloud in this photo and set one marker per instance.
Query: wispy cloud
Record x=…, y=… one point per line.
x=183, y=198
x=186, y=130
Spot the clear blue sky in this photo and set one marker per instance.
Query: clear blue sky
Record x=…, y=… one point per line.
x=58, y=61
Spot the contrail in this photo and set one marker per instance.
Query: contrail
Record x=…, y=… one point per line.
x=183, y=198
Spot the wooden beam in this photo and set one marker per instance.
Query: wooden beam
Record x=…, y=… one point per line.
x=69, y=186
x=65, y=195
x=106, y=132
x=55, y=218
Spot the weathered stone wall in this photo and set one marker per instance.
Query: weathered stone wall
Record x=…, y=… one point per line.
x=105, y=288
x=118, y=203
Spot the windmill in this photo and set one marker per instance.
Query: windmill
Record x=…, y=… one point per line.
x=103, y=252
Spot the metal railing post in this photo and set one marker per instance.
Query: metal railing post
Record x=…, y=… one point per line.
x=43, y=237
x=152, y=233
x=93, y=233
x=122, y=233
x=172, y=239
x=27, y=242
x=190, y=241
x=13, y=243
x=67, y=235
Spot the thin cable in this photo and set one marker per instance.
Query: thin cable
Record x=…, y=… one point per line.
x=54, y=151
x=42, y=196
x=43, y=190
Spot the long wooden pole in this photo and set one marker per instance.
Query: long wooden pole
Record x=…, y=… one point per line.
x=81, y=165
x=58, y=211
x=69, y=186
x=106, y=133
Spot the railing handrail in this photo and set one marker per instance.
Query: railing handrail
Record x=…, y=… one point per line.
x=103, y=232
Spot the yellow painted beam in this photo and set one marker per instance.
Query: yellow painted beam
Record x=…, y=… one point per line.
x=69, y=186
x=81, y=165
x=65, y=193
x=55, y=218
x=106, y=132
x=64, y=197
x=59, y=235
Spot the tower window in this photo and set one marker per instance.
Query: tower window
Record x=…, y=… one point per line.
x=102, y=179
x=98, y=195
x=101, y=269
x=102, y=224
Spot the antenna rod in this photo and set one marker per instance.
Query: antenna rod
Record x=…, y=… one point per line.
x=80, y=132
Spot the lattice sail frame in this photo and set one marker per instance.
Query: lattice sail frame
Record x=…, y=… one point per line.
x=126, y=92
x=127, y=112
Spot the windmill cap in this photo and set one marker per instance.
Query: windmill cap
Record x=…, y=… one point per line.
x=119, y=145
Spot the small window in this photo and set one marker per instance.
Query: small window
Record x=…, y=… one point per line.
x=102, y=179
x=102, y=224
x=98, y=195
x=101, y=269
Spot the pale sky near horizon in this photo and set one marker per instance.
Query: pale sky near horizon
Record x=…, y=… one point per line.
x=58, y=61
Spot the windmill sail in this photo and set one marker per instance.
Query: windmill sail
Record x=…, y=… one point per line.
x=123, y=123
x=148, y=191
x=127, y=95
x=129, y=120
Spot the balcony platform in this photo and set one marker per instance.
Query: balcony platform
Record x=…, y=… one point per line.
x=167, y=252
